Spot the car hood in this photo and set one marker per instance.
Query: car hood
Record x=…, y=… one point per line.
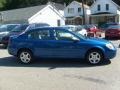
x=4, y=33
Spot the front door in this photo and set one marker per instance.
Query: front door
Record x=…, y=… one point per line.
x=66, y=45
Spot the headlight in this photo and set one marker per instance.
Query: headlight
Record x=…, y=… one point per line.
x=110, y=46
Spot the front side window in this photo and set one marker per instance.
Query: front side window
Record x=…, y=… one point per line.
x=64, y=35
x=40, y=35
x=71, y=10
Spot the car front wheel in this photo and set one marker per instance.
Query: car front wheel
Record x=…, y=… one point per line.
x=25, y=56
x=95, y=57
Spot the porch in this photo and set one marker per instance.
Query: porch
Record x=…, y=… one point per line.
x=101, y=18
x=74, y=21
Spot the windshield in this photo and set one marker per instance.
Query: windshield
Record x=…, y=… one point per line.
x=114, y=27
x=33, y=26
x=79, y=28
x=70, y=28
x=5, y=28
x=79, y=35
x=89, y=26
x=19, y=28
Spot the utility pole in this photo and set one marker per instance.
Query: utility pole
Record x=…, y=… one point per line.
x=84, y=22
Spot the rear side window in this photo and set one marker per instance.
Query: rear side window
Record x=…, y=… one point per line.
x=40, y=35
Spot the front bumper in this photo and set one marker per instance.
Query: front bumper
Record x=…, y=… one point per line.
x=4, y=40
x=110, y=54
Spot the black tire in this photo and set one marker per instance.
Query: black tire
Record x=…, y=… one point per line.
x=25, y=56
x=97, y=57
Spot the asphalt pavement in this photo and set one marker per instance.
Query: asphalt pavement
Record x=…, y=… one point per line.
x=54, y=74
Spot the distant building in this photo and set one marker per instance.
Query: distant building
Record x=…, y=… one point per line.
x=74, y=13
x=100, y=12
x=51, y=13
x=103, y=11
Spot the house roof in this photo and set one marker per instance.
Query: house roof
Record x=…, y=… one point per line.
x=86, y=6
x=22, y=13
x=25, y=13
x=111, y=1
x=59, y=6
x=116, y=5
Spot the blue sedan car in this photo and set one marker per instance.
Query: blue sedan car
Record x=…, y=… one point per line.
x=56, y=42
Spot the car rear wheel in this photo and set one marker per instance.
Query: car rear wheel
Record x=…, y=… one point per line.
x=95, y=57
x=25, y=56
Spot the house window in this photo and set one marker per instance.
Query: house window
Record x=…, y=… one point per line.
x=107, y=7
x=99, y=8
x=70, y=10
x=79, y=9
x=58, y=22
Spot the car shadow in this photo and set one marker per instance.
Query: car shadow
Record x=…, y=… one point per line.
x=49, y=63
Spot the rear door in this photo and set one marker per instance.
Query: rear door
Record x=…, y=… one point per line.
x=41, y=41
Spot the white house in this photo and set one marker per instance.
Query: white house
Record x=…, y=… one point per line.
x=103, y=11
x=48, y=15
x=51, y=13
x=74, y=13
